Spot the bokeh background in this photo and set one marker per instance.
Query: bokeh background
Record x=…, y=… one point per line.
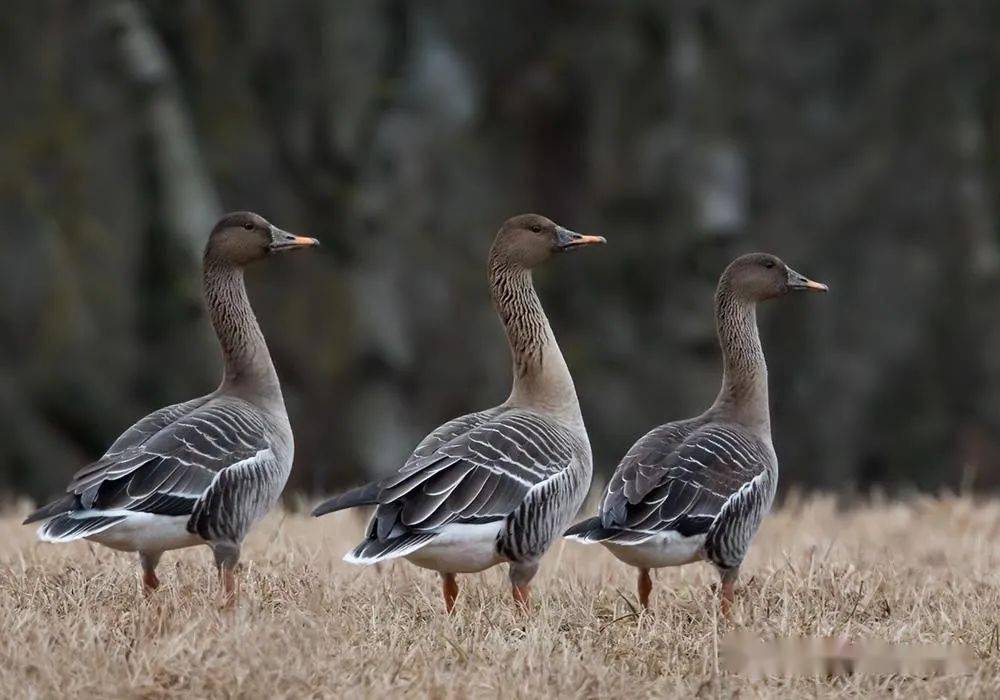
x=859, y=141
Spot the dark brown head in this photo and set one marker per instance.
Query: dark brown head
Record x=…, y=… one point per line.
x=529, y=240
x=761, y=276
x=243, y=237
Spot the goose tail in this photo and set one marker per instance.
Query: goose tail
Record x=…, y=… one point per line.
x=372, y=551
x=67, y=527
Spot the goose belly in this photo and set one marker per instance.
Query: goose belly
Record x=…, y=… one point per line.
x=461, y=549
x=662, y=549
x=146, y=532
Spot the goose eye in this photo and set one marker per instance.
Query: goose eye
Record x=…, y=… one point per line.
x=248, y=226
x=536, y=228
x=769, y=264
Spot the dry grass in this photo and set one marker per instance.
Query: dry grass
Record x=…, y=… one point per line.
x=72, y=621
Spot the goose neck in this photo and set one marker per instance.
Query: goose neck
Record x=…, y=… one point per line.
x=248, y=370
x=744, y=396
x=542, y=380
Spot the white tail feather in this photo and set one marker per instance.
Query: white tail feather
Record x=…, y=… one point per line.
x=45, y=536
x=353, y=556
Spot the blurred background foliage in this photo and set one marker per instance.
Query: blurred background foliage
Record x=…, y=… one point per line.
x=859, y=141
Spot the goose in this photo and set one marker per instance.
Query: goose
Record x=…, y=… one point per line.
x=698, y=489
x=498, y=485
x=205, y=470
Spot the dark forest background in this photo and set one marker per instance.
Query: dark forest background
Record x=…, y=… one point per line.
x=859, y=141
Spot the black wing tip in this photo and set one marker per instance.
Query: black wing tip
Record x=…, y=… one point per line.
x=583, y=527
x=49, y=510
x=34, y=517
x=366, y=495
x=323, y=508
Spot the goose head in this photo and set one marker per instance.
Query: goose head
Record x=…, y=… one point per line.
x=528, y=240
x=761, y=276
x=243, y=237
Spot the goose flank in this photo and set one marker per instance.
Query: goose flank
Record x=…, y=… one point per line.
x=203, y=471
x=698, y=489
x=499, y=485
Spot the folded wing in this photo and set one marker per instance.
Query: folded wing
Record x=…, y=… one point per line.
x=476, y=476
x=678, y=478
x=167, y=461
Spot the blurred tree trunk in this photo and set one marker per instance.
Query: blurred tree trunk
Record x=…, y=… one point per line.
x=860, y=144
x=179, y=192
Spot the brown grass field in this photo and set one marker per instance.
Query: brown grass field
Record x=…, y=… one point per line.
x=74, y=623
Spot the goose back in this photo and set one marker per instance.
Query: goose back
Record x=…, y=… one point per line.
x=478, y=475
x=681, y=475
x=187, y=460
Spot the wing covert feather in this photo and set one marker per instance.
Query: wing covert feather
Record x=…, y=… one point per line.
x=473, y=469
x=679, y=476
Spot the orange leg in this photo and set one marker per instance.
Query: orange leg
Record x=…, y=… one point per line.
x=726, y=597
x=645, y=587
x=521, y=574
x=230, y=586
x=522, y=596
x=727, y=591
x=149, y=581
x=227, y=557
x=449, y=586
x=148, y=563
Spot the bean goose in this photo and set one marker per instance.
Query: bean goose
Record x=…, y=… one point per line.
x=203, y=471
x=499, y=485
x=699, y=488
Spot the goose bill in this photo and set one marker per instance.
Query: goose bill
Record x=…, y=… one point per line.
x=283, y=240
x=802, y=283
x=567, y=240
